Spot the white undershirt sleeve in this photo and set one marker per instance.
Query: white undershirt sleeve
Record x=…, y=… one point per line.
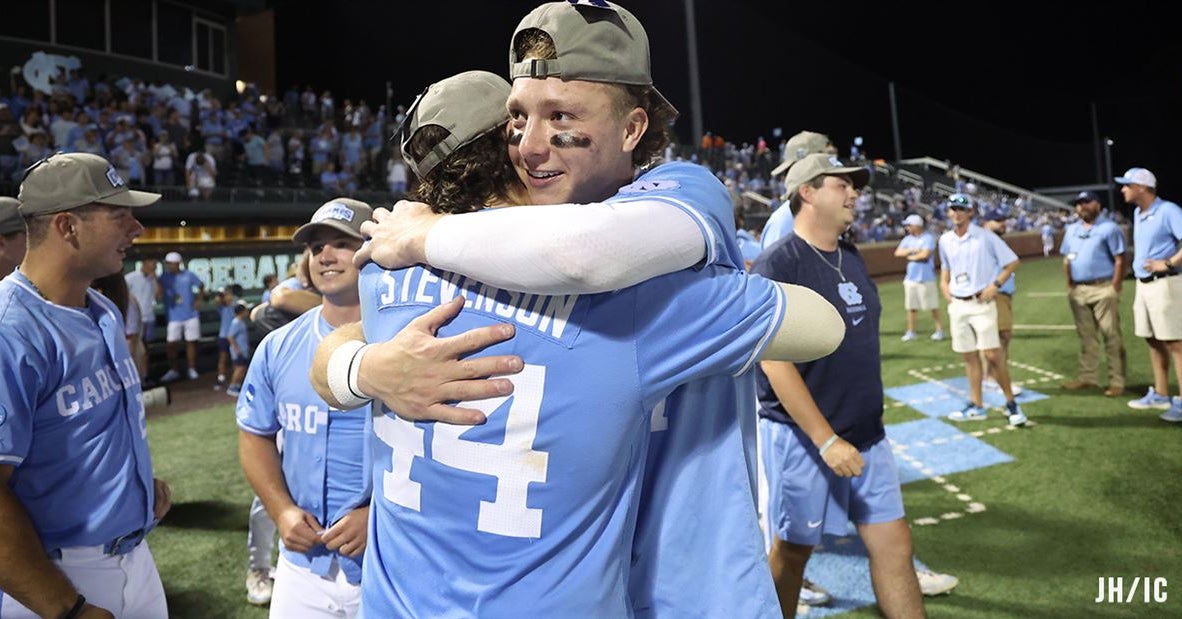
x=568, y=248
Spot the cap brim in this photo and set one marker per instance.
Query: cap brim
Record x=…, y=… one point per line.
x=131, y=198
x=1124, y=180
x=304, y=232
x=860, y=176
x=783, y=167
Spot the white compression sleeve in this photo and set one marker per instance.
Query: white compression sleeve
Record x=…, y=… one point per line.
x=568, y=248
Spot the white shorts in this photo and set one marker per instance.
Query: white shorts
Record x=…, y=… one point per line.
x=973, y=325
x=920, y=295
x=806, y=498
x=300, y=593
x=1157, y=309
x=190, y=329
x=128, y=585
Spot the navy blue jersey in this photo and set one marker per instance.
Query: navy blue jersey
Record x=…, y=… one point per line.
x=846, y=385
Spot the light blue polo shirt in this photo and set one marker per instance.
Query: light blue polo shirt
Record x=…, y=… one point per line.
x=973, y=260
x=1156, y=233
x=920, y=270
x=1091, y=251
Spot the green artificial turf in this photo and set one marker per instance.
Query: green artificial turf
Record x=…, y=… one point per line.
x=1095, y=488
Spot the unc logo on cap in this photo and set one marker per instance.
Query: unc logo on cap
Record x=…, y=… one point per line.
x=835, y=162
x=333, y=210
x=114, y=178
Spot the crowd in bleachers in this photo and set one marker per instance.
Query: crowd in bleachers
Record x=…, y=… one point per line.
x=158, y=135
x=746, y=170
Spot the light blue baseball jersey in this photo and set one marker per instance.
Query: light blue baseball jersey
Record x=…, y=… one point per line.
x=689, y=451
x=777, y=226
x=180, y=290
x=1156, y=233
x=239, y=333
x=1091, y=251
x=973, y=260
x=534, y=510
x=225, y=319
x=749, y=247
x=72, y=418
x=920, y=270
x=291, y=283
x=324, y=450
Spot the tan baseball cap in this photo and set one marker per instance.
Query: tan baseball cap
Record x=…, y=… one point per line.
x=65, y=181
x=818, y=164
x=468, y=105
x=10, y=217
x=799, y=145
x=596, y=41
x=344, y=214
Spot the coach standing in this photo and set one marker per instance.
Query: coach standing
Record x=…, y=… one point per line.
x=1157, y=305
x=1095, y=261
x=77, y=495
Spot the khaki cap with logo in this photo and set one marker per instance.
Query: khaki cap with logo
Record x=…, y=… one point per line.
x=10, y=217
x=822, y=164
x=344, y=214
x=799, y=145
x=595, y=40
x=65, y=181
x=468, y=105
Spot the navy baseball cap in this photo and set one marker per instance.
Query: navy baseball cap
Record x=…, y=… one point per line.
x=1086, y=196
x=995, y=215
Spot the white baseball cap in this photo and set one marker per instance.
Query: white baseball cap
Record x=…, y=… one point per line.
x=913, y=220
x=1138, y=176
x=173, y=256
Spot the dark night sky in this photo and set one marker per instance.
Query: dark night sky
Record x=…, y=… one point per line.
x=1003, y=88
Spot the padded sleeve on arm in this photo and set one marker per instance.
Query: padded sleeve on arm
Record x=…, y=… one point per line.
x=568, y=248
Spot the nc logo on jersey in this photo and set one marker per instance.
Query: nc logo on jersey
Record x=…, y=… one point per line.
x=333, y=210
x=849, y=293
x=114, y=178
x=651, y=185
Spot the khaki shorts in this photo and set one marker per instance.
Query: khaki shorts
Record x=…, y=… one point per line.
x=920, y=295
x=973, y=325
x=1157, y=309
x=1005, y=312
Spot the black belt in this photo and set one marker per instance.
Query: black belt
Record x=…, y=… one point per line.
x=1095, y=282
x=968, y=298
x=1159, y=275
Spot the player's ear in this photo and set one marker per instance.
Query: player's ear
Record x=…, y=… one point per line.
x=635, y=124
x=62, y=224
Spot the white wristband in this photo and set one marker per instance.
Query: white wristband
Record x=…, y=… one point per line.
x=343, y=365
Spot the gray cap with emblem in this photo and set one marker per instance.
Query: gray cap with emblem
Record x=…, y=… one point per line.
x=595, y=41
x=62, y=182
x=343, y=214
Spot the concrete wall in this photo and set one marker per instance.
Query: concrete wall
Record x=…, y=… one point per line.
x=881, y=261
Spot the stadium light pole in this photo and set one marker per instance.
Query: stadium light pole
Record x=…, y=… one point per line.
x=1108, y=142
x=895, y=123
x=691, y=41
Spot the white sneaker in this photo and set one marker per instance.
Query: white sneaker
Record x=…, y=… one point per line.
x=909, y=336
x=170, y=376
x=192, y=374
x=258, y=587
x=937, y=336
x=968, y=413
x=931, y=583
x=813, y=595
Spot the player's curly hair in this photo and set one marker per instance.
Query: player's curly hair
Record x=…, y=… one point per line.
x=477, y=175
x=535, y=43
